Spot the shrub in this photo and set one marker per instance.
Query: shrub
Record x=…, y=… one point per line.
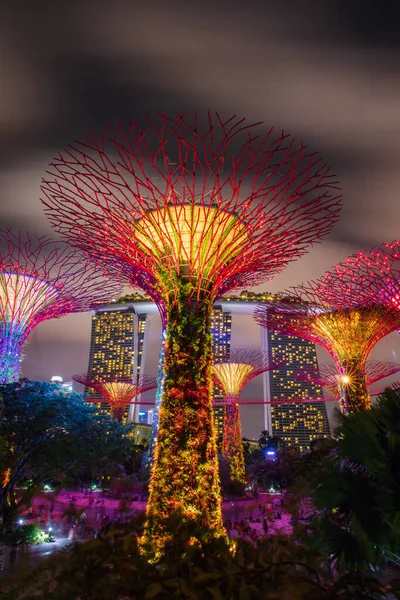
x=23, y=535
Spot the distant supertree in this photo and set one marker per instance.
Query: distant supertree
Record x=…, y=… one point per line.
x=232, y=376
x=326, y=375
x=188, y=211
x=118, y=394
x=347, y=311
x=41, y=280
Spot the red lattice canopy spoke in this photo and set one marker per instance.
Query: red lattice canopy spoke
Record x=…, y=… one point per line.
x=218, y=202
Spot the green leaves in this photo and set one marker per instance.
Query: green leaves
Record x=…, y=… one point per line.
x=114, y=568
x=47, y=434
x=358, y=486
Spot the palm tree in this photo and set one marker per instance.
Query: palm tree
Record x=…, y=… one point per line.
x=358, y=487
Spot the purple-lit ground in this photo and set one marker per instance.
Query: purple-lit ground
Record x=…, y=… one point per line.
x=243, y=518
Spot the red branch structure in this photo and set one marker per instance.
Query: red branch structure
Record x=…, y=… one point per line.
x=232, y=376
x=327, y=375
x=347, y=311
x=41, y=280
x=188, y=209
x=118, y=394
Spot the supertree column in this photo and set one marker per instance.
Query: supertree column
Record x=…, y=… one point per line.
x=148, y=457
x=232, y=376
x=118, y=394
x=188, y=210
x=347, y=311
x=41, y=280
x=327, y=375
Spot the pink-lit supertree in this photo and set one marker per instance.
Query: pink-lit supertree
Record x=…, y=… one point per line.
x=118, y=394
x=41, y=280
x=347, y=311
x=326, y=374
x=232, y=376
x=189, y=210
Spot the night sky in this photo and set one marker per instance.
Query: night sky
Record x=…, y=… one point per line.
x=327, y=72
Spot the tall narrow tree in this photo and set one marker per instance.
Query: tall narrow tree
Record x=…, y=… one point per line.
x=232, y=376
x=188, y=210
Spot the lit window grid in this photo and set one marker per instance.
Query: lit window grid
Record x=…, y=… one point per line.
x=221, y=331
x=112, y=350
x=297, y=424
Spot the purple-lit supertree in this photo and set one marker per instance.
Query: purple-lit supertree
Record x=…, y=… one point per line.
x=118, y=394
x=188, y=211
x=346, y=311
x=326, y=374
x=232, y=376
x=41, y=280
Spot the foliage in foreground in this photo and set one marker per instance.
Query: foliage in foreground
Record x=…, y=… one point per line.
x=291, y=469
x=47, y=434
x=358, y=488
x=113, y=568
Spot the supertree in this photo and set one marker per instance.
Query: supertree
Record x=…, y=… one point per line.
x=326, y=374
x=188, y=210
x=232, y=376
x=118, y=394
x=41, y=280
x=347, y=311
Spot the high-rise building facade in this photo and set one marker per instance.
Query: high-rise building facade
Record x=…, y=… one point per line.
x=221, y=328
x=117, y=349
x=298, y=424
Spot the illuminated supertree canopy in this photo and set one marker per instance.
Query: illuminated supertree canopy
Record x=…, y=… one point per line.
x=118, y=394
x=327, y=375
x=232, y=376
x=41, y=280
x=347, y=311
x=188, y=210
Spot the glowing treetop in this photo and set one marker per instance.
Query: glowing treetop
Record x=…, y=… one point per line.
x=220, y=203
x=232, y=376
x=41, y=280
x=244, y=365
x=347, y=311
x=118, y=394
x=188, y=209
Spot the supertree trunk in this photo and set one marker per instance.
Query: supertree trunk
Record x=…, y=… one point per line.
x=184, y=479
x=148, y=456
x=117, y=411
x=232, y=446
x=354, y=395
x=10, y=357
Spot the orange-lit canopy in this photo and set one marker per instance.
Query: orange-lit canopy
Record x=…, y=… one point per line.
x=22, y=296
x=232, y=377
x=197, y=239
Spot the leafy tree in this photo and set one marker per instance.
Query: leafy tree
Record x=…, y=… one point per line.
x=263, y=439
x=230, y=487
x=47, y=434
x=270, y=442
x=323, y=446
x=358, y=485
